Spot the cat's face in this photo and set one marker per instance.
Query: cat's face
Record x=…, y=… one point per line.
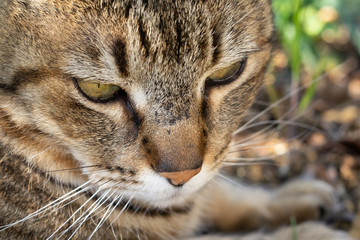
x=182, y=73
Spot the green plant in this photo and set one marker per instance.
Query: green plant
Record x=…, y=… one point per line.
x=308, y=31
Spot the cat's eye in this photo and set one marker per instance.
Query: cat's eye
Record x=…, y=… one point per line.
x=227, y=74
x=97, y=91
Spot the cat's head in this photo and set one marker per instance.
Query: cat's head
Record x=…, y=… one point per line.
x=141, y=96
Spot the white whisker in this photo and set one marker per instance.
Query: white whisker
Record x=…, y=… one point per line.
x=121, y=211
x=50, y=205
x=107, y=214
x=98, y=203
x=243, y=142
x=252, y=159
x=295, y=91
x=230, y=180
x=89, y=199
x=261, y=162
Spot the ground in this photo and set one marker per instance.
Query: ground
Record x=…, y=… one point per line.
x=283, y=143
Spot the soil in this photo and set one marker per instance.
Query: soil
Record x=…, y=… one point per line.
x=323, y=142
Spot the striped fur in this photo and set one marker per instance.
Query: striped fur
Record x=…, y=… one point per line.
x=71, y=167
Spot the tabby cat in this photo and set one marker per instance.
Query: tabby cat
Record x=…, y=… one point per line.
x=116, y=115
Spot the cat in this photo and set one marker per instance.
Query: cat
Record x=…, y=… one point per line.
x=116, y=115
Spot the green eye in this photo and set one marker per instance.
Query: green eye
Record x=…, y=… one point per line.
x=227, y=74
x=98, y=91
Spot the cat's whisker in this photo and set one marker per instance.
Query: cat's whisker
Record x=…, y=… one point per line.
x=95, y=206
x=283, y=122
x=39, y=153
x=264, y=144
x=256, y=135
x=245, y=142
x=107, y=188
x=269, y=122
x=73, y=169
x=107, y=214
x=84, y=204
x=246, y=163
x=114, y=234
x=121, y=211
x=68, y=203
x=81, y=194
x=239, y=159
x=287, y=96
x=67, y=198
x=138, y=235
x=266, y=104
x=269, y=125
x=230, y=180
x=50, y=205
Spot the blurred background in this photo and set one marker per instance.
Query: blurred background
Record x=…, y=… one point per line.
x=306, y=120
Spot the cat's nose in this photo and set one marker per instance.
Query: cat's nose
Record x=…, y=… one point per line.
x=180, y=178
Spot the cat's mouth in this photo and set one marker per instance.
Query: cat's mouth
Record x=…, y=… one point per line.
x=135, y=207
x=151, y=194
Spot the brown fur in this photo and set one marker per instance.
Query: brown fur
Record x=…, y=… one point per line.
x=53, y=139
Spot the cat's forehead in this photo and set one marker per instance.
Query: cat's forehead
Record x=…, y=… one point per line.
x=166, y=39
x=139, y=39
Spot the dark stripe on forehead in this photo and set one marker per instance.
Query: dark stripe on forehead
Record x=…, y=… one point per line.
x=145, y=2
x=178, y=41
x=216, y=39
x=127, y=9
x=93, y=52
x=143, y=37
x=119, y=51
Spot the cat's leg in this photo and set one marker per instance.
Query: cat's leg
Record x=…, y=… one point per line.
x=232, y=207
x=304, y=231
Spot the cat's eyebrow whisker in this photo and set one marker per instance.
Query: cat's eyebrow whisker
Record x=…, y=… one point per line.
x=107, y=214
x=50, y=205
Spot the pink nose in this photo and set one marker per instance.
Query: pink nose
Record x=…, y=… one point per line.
x=180, y=178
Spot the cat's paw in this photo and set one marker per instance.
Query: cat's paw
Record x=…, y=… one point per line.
x=309, y=231
x=303, y=200
x=304, y=231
